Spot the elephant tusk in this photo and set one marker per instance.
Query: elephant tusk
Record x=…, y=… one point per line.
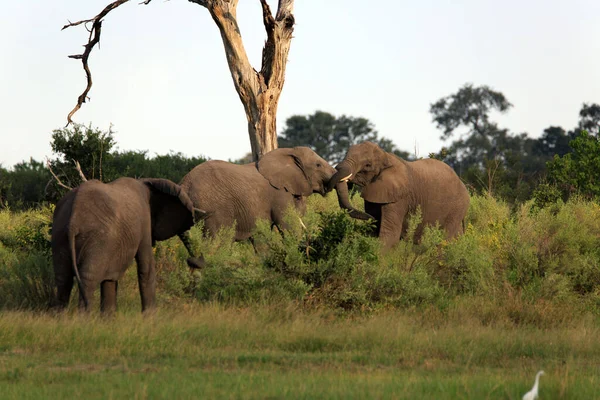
x=345, y=179
x=302, y=223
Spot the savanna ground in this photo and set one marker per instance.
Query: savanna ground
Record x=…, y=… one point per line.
x=322, y=313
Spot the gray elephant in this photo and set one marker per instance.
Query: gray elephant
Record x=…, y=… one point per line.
x=99, y=228
x=244, y=193
x=392, y=188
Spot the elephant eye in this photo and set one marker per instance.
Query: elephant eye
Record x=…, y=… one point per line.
x=318, y=165
x=368, y=165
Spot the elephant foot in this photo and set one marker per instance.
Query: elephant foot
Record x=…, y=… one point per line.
x=196, y=262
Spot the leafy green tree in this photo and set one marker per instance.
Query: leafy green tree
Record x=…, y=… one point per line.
x=486, y=156
x=589, y=118
x=469, y=108
x=89, y=146
x=24, y=185
x=137, y=164
x=28, y=183
x=4, y=185
x=554, y=140
x=578, y=171
x=331, y=136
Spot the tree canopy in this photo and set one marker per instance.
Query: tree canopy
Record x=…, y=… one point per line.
x=331, y=136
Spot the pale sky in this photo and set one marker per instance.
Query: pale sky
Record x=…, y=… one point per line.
x=160, y=74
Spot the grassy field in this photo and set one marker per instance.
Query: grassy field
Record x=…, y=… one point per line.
x=212, y=351
x=322, y=313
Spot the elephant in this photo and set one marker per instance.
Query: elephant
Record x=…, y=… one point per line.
x=392, y=188
x=241, y=194
x=99, y=228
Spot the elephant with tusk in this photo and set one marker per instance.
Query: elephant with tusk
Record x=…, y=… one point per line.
x=392, y=188
x=241, y=194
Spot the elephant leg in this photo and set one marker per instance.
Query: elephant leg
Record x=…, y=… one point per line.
x=146, y=276
x=192, y=261
x=374, y=209
x=391, y=225
x=454, y=229
x=86, y=294
x=251, y=240
x=108, y=296
x=64, y=285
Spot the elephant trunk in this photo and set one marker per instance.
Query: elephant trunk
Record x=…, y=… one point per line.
x=344, y=172
x=338, y=180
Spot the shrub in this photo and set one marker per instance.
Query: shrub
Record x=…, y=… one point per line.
x=577, y=172
x=525, y=266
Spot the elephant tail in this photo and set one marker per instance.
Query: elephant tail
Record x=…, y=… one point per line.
x=75, y=269
x=464, y=225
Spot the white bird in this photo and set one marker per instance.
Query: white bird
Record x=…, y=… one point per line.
x=533, y=393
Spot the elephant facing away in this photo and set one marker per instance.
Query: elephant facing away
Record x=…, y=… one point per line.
x=99, y=228
x=241, y=194
x=392, y=188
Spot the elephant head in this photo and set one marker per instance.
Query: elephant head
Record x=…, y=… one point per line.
x=172, y=210
x=301, y=171
x=365, y=165
x=298, y=170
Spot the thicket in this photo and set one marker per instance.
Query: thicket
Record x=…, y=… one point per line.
x=537, y=265
x=29, y=184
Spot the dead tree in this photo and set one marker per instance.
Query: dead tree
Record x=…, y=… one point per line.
x=259, y=91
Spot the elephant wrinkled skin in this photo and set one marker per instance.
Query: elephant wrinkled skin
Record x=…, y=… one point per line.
x=99, y=228
x=392, y=188
x=241, y=194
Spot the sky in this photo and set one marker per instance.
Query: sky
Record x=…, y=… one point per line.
x=161, y=77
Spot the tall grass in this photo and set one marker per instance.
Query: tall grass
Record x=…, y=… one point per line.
x=212, y=351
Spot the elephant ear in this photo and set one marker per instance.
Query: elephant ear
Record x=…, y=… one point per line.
x=171, y=209
x=390, y=185
x=284, y=170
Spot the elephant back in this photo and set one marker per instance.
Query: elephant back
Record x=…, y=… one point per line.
x=229, y=191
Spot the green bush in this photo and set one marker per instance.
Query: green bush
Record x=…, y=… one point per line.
x=577, y=172
x=523, y=266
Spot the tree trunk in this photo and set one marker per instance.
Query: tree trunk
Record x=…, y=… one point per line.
x=258, y=91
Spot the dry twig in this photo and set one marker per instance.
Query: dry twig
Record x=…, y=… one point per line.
x=78, y=168
x=56, y=177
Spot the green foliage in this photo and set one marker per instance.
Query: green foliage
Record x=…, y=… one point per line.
x=469, y=107
x=30, y=184
x=331, y=136
x=493, y=160
x=578, y=171
x=26, y=275
x=282, y=351
x=526, y=266
x=89, y=146
x=545, y=194
x=137, y=164
x=589, y=118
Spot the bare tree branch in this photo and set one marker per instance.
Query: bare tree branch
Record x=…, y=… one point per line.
x=78, y=168
x=56, y=177
x=93, y=39
x=285, y=8
x=258, y=91
x=277, y=45
x=203, y=3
